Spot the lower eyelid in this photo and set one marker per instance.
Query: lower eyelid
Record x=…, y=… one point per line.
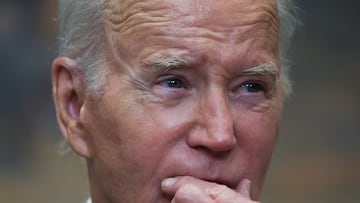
x=170, y=94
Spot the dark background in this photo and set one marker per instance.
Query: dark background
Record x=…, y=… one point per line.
x=318, y=155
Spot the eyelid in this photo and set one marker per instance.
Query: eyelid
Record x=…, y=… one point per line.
x=264, y=86
x=266, y=81
x=163, y=78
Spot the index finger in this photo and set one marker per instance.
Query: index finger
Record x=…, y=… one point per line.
x=217, y=192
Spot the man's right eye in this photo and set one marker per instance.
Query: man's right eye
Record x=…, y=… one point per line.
x=172, y=83
x=171, y=87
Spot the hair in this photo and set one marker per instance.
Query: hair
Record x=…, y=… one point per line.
x=82, y=37
x=288, y=22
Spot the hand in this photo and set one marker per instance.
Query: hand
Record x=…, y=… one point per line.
x=186, y=189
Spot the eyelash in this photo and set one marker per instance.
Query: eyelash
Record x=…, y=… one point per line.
x=254, y=84
x=171, y=80
x=243, y=91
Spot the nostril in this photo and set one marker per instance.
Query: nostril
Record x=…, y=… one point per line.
x=214, y=154
x=221, y=136
x=223, y=142
x=212, y=141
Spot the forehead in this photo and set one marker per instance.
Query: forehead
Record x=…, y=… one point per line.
x=235, y=11
x=193, y=21
x=186, y=5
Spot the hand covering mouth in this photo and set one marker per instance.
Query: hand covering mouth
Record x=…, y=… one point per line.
x=230, y=183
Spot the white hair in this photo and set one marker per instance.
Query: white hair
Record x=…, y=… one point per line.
x=288, y=22
x=82, y=37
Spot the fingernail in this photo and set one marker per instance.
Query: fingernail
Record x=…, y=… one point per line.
x=168, y=182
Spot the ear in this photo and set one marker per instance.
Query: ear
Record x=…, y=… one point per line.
x=69, y=94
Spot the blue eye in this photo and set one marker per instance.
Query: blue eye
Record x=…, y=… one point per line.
x=174, y=83
x=253, y=87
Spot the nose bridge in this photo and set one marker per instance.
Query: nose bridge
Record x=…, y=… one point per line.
x=217, y=121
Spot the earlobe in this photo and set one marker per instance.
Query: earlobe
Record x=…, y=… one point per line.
x=68, y=93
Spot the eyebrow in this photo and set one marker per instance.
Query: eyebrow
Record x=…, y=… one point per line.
x=269, y=68
x=166, y=63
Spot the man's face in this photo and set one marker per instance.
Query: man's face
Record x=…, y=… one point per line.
x=191, y=90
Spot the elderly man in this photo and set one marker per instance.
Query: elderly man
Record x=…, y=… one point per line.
x=172, y=100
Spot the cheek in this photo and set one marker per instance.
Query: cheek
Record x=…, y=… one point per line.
x=256, y=135
x=130, y=145
x=139, y=135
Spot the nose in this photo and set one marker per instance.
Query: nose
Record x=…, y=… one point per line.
x=214, y=128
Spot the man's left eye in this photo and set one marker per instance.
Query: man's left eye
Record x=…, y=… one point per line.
x=250, y=92
x=253, y=87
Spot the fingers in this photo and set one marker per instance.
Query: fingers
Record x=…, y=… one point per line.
x=186, y=189
x=191, y=193
x=244, y=188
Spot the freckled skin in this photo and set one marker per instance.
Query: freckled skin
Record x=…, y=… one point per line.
x=140, y=134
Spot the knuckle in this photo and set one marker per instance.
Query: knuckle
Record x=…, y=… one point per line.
x=222, y=193
x=217, y=191
x=184, y=193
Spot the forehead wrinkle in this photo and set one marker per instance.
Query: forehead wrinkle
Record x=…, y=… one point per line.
x=269, y=24
x=124, y=15
x=249, y=22
x=263, y=22
x=129, y=14
x=152, y=20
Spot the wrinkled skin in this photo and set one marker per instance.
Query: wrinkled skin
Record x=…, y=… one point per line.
x=178, y=101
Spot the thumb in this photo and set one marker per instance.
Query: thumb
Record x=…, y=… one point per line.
x=244, y=188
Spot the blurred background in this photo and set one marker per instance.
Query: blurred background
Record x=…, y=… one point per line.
x=318, y=155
